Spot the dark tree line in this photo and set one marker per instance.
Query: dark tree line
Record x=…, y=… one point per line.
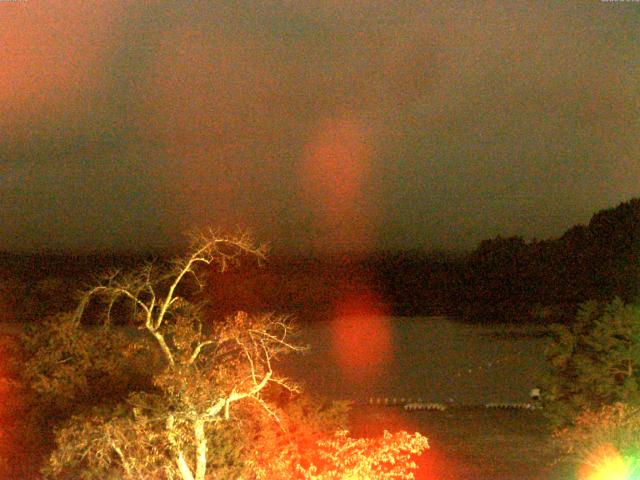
x=503, y=279
x=599, y=261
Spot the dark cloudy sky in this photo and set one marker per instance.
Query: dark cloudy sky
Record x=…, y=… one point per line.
x=332, y=124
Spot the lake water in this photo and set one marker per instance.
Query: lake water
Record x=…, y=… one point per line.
x=432, y=358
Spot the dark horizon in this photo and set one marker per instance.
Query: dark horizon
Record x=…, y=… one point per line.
x=283, y=252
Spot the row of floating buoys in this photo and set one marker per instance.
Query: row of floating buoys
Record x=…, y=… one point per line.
x=392, y=401
x=425, y=406
x=513, y=406
x=419, y=404
x=407, y=403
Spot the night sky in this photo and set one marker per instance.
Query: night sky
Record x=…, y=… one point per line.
x=316, y=125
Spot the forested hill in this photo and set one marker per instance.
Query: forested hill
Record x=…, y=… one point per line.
x=595, y=261
x=503, y=279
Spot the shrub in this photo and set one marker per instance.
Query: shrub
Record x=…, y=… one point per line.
x=594, y=361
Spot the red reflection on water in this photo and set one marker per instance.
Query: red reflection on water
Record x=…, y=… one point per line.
x=361, y=337
x=438, y=463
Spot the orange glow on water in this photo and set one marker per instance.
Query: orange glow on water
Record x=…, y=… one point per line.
x=362, y=343
x=606, y=463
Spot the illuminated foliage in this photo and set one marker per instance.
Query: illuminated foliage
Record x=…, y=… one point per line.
x=198, y=372
x=68, y=363
x=386, y=457
x=340, y=456
x=157, y=389
x=594, y=362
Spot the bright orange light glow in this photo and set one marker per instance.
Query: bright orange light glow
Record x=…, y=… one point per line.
x=336, y=160
x=606, y=463
x=361, y=337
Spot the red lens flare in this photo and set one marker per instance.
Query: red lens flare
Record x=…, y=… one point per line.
x=336, y=166
x=362, y=343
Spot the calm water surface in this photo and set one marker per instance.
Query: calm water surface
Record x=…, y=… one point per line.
x=432, y=358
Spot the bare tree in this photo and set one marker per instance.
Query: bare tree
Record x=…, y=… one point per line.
x=206, y=368
x=208, y=400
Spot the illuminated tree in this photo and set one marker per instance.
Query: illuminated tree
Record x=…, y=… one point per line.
x=200, y=370
x=150, y=387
